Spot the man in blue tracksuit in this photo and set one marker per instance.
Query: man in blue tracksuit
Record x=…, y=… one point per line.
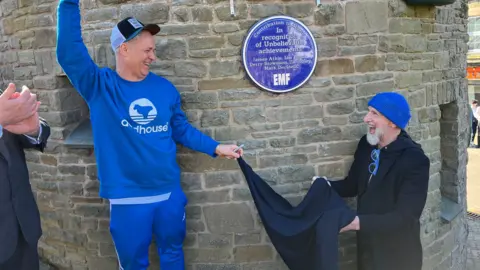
x=137, y=121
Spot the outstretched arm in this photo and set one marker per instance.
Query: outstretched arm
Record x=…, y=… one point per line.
x=72, y=54
x=184, y=133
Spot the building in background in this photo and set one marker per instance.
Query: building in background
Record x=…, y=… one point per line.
x=473, y=56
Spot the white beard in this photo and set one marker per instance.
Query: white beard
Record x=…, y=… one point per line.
x=374, y=139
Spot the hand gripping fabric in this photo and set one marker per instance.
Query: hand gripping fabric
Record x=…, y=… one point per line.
x=305, y=236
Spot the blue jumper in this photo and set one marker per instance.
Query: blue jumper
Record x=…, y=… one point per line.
x=136, y=125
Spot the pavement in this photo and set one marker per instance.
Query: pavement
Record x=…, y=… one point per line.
x=473, y=244
x=473, y=180
x=473, y=206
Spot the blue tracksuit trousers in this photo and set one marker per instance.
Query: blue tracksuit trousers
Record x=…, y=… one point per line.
x=132, y=227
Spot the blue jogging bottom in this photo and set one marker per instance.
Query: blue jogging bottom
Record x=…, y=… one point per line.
x=132, y=227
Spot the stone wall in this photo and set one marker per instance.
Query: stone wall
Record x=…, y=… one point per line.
x=364, y=47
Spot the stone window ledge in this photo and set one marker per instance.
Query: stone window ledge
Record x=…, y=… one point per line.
x=81, y=136
x=449, y=209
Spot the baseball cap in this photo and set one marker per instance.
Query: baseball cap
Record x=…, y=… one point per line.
x=129, y=28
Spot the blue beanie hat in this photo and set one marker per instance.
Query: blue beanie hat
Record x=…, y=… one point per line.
x=393, y=106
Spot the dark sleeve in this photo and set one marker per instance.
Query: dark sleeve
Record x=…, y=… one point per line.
x=42, y=140
x=348, y=187
x=410, y=201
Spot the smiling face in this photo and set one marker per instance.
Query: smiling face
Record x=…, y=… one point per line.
x=378, y=126
x=138, y=54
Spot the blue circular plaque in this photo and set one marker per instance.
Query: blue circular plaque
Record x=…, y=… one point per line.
x=279, y=54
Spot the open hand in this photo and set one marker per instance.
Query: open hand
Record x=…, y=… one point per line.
x=29, y=126
x=228, y=151
x=16, y=107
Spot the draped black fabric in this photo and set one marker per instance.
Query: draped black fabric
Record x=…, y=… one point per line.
x=306, y=235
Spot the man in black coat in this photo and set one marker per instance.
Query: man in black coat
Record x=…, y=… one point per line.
x=20, y=128
x=389, y=176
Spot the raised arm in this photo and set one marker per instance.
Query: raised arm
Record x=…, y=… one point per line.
x=72, y=54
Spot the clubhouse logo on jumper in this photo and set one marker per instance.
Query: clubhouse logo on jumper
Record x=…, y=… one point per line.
x=143, y=112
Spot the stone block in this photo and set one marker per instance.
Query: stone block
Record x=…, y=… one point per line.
x=215, y=240
x=363, y=17
x=223, y=12
x=45, y=38
x=247, y=238
x=101, y=14
x=185, y=2
x=229, y=52
x=335, y=120
x=300, y=10
x=236, y=39
x=327, y=47
x=231, y=133
x=282, y=142
x=275, y=161
x=253, y=253
x=417, y=99
x=266, y=9
x=429, y=114
x=408, y=79
x=199, y=100
x=148, y=12
x=277, y=265
x=392, y=43
x=184, y=30
x=405, y=26
x=369, y=63
x=372, y=88
x=193, y=212
x=224, y=68
x=181, y=14
x=248, y=115
x=206, y=42
x=225, y=28
x=202, y=197
x=41, y=20
x=215, y=118
x=194, y=69
x=334, y=66
x=202, y=14
x=294, y=113
x=228, y=218
x=357, y=50
x=414, y=43
x=237, y=94
x=191, y=181
x=340, y=108
x=218, y=266
x=92, y=210
x=331, y=170
x=330, y=14
x=318, y=134
x=170, y=49
x=222, y=179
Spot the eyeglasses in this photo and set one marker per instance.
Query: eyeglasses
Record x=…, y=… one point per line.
x=375, y=156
